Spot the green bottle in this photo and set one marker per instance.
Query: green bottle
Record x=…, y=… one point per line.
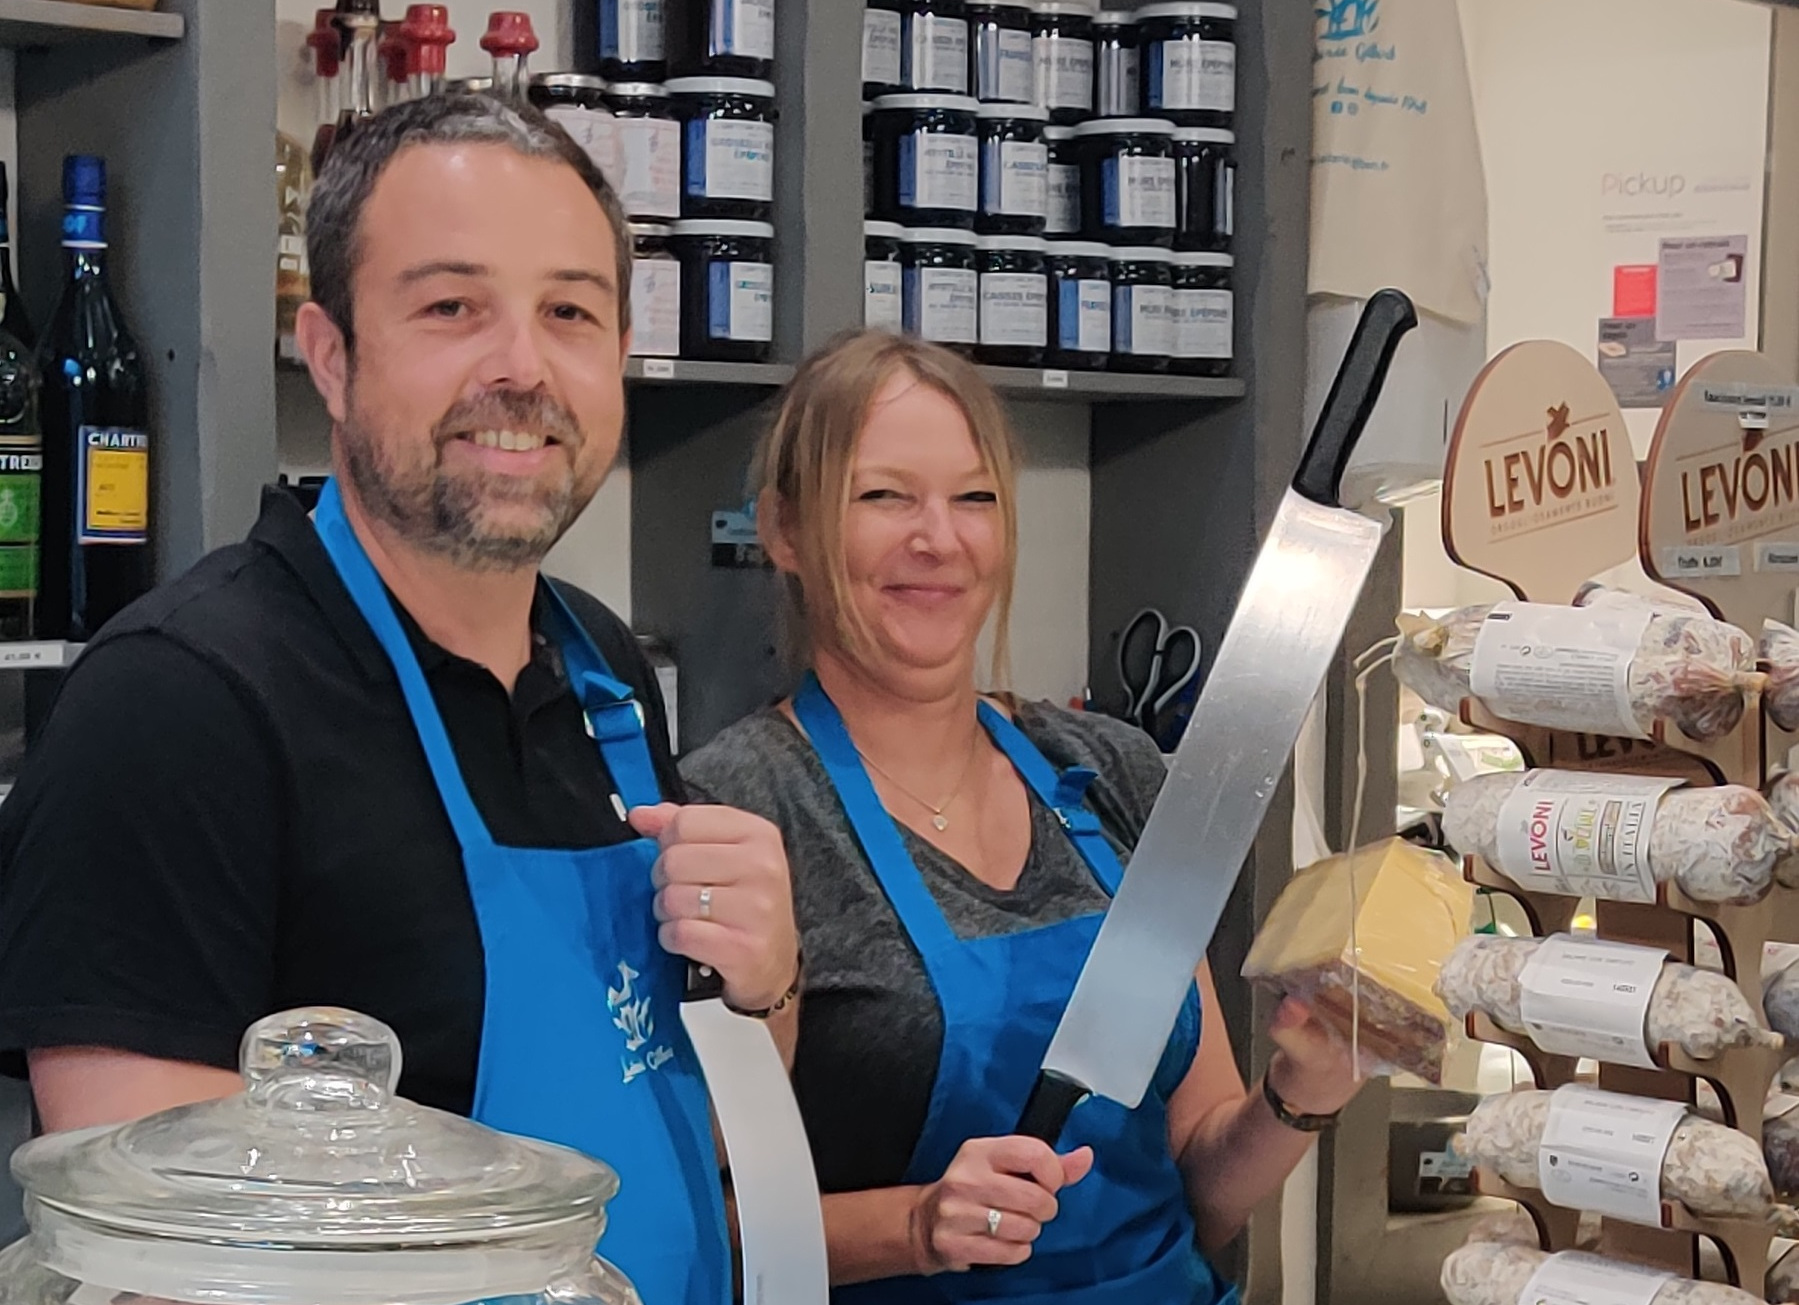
x=21, y=478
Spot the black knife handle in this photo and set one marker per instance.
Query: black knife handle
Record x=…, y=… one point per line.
x=1384, y=322
x=703, y=983
x=1053, y=1098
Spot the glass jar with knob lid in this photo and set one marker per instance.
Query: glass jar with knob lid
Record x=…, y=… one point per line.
x=316, y=1185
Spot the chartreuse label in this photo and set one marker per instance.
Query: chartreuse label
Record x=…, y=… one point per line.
x=20, y=522
x=115, y=485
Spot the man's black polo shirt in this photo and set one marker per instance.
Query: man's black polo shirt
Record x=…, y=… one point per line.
x=229, y=814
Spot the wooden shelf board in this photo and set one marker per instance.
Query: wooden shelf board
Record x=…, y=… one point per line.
x=33, y=24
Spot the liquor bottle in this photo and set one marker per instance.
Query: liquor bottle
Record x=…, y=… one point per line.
x=21, y=484
x=428, y=32
x=327, y=45
x=96, y=521
x=510, y=40
x=359, y=21
x=293, y=279
x=12, y=312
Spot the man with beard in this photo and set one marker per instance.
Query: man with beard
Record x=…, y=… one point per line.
x=374, y=760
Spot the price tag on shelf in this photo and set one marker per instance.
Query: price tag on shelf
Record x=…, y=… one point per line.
x=659, y=369
x=1055, y=380
x=33, y=656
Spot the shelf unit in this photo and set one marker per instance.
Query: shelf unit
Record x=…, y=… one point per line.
x=38, y=24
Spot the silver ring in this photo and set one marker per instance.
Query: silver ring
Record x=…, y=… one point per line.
x=993, y=1218
x=706, y=902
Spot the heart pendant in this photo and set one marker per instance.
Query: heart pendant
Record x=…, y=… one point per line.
x=942, y=823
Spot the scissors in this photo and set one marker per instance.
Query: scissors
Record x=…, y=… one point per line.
x=1157, y=664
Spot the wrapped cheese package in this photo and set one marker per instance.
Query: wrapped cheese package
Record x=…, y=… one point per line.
x=1700, y=1011
x=1716, y=1172
x=1501, y=1273
x=1618, y=666
x=1402, y=909
x=1572, y=833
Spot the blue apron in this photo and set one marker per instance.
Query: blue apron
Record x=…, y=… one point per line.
x=1124, y=1234
x=581, y=1040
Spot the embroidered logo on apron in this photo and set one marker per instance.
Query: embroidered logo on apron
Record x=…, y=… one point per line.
x=631, y=1015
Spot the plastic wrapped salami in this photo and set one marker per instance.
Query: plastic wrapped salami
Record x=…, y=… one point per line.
x=1701, y=1012
x=1783, y=797
x=1497, y=1273
x=1685, y=669
x=1780, y=654
x=1714, y=1171
x=1780, y=992
x=1782, y=1287
x=1780, y=1148
x=1719, y=844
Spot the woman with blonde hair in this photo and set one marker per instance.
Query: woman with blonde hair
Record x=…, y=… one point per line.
x=953, y=854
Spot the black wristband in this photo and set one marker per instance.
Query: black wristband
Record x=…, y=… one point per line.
x=787, y=998
x=1292, y=1119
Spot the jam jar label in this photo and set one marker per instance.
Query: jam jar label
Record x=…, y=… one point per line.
x=1137, y=191
x=882, y=309
x=656, y=308
x=1140, y=320
x=745, y=28
x=1015, y=309
x=943, y=304
x=936, y=58
x=1064, y=207
x=740, y=301
x=938, y=171
x=730, y=158
x=1006, y=67
x=1193, y=75
x=1014, y=178
x=1064, y=72
x=881, y=47
x=1203, y=321
x=648, y=179
x=1084, y=316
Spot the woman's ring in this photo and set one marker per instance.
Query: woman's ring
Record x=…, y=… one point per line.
x=993, y=1218
x=706, y=902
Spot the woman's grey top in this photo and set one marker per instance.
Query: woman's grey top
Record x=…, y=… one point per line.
x=870, y=1028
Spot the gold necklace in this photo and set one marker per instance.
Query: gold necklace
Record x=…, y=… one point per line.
x=938, y=819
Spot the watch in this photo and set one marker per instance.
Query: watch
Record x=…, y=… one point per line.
x=1291, y=1118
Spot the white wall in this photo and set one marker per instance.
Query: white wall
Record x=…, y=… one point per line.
x=1573, y=96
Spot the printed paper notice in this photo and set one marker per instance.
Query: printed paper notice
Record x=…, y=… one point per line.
x=1562, y=667
x=1703, y=288
x=1576, y=1278
x=1581, y=835
x=1589, y=998
x=1602, y=1152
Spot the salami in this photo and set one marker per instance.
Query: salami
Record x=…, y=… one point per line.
x=1718, y=844
x=1701, y=1012
x=1783, y=797
x=1780, y=656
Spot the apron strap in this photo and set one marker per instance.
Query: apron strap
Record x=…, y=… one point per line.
x=372, y=600
x=615, y=718
x=875, y=829
x=1063, y=793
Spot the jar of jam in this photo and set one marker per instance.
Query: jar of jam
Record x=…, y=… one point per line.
x=927, y=160
x=1205, y=183
x=727, y=146
x=1080, y=305
x=633, y=40
x=1014, y=290
x=1062, y=214
x=1014, y=169
x=728, y=286
x=648, y=143
x=1190, y=62
x=1203, y=312
x=1062, y=45
x=881, y=64
x=731, y=38
x=882, y=276
x=1001, y=68
x=576, y=103
x=1127, y=180
x=941, y=286
x=934, y=46
x=655, y=292
x=1142, y=303
x=1117, y=65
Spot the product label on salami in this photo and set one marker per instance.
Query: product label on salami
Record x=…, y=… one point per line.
x=938, y=171
x=1140, y=319
x=1192, y=75
x=943, y=304
x=1582, y=997
x=740, y=301
x=936, y=58
x=591, y=129
x=656, y=308
x=728, y=158
x=1015, y=309
x=1203, y=323
x=881, y=297
x=1581, y=835
x=1563, y=667
x=881, y=47
x=648, y=176
x=1084, y=316
x=1064, y=209
x=633, y=31
x=115, y=485
x=1137, y=191
x=1064, y=72
x=1004, y=66
x=745, y=28
x=1576, y=1278
x=1602, y=1151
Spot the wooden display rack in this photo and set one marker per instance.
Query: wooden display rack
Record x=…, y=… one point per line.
x=1545, y=535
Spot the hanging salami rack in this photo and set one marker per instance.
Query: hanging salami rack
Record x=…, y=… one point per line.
x=1539, y=493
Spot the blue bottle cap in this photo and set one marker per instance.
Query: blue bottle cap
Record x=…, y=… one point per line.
x=84, y=180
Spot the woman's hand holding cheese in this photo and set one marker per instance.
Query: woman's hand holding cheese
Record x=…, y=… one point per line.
x=724, y=898
x=1312, y=1070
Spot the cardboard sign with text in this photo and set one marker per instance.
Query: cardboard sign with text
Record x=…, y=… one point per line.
x=1540, y=487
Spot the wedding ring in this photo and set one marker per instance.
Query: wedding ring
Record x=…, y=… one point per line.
x=993, y=1218
x=706, y=902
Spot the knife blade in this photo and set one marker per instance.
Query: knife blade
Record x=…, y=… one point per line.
x=781, y=1226
x=1287, y=625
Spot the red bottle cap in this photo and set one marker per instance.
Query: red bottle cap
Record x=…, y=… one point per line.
x=395, y=52
x=509, y=33
x=326, y=43
x=427, y=29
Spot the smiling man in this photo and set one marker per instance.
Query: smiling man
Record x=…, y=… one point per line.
x=373, y=759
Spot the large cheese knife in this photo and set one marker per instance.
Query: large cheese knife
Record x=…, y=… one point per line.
x=1287, y=626
x=780, y=1221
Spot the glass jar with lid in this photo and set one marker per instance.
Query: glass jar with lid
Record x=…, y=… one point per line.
x=647, y=138
x=576, y=102
x=1001, y=64
x=315, y=1186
